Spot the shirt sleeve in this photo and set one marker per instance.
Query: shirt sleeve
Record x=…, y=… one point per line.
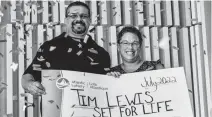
x=37, y=64
x=159, y=64
x=105, y=59
x=102, y=57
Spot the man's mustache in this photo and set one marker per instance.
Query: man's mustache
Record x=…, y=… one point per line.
x=78, y=22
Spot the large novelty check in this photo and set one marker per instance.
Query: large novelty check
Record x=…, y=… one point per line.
x=158, y=93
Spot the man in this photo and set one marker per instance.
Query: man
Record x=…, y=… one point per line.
x=73, y=50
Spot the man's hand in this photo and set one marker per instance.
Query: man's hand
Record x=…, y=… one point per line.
x=31, y=86
x=115, y=74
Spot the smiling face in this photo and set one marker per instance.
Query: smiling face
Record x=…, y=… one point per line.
x=129, y=47
x=77, y=21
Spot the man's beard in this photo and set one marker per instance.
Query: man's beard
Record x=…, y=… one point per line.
x=79, y=27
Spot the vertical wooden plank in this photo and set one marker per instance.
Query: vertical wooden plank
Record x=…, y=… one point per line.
x=118, y=29
x=28, y=62
x=185, y=13
x=175, y=11
x=146, y=48
x=1, y=13
x=167, y=13
x=94, y=16
x=206, y=62
x=40, y=34
x=3, y=72
x=184, y=58
x=200, y=67
x=116, y=12
x=91, y=33
x=34, y=13
x=139, y=13
x=99, y=36
x=154, y=43
x=127, y=12
x=55, y=12
x=211, y=65
x=21, y=44
x=174, y=47
x=40, y=40
x=12, y=11
x=194, y=12
x=9, y=73
x=194, y=73
x=103, y=12
x=157, y=13
x=62, y=11
x=164, y=47
x=149, y=13
x=199, y=11
x=49, y=31
x=45, y=13
x=57, y=30
x=27, y=11
x=113, y=46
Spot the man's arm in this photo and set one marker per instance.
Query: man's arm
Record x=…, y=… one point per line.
x=32, y=76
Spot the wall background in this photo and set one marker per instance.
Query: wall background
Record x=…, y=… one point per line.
x=182, y=27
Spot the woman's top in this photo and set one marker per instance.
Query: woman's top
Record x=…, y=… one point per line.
x=146, y=66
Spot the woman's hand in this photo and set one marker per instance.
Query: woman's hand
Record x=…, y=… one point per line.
x=115, y=74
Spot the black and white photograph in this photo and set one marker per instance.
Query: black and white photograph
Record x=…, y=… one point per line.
x=106, y=58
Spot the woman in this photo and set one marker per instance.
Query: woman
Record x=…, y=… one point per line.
x=129, y=42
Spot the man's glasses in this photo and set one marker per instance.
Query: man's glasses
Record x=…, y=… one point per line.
x=75, y=16
x=134, y=44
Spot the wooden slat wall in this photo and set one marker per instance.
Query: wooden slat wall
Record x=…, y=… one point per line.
x=116, y=12
x=27, y=12
x=45, y=13
x=174, y=47
x=154, y=43
x=200, y=68
x=62, y=11
x=20, y=70
x=164, y=45
x=94, y=16
x=194, y=69
x=1, y=14
x=28, y=60
x=175, y=12
x=185, y=13
x=185, y=59
x=173, y=31
x=205, y=56
x=149, y=13
x=103, y=12
x=157, y=13
x=113, y=46
x=146, y=47
x=167, y=13
x=9, y=72
x=34, y=13
x=127, y=12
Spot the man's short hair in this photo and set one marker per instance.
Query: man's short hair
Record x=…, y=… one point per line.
x=77, y=3
x=129, y=29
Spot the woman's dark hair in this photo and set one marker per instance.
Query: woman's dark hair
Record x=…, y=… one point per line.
x=77, y=3
x=130, y=29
